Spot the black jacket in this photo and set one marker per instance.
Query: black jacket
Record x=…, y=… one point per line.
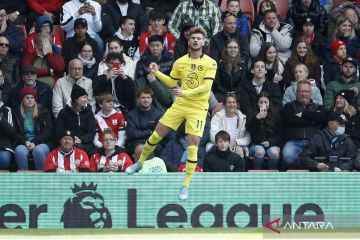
x=297, y=14
x=72, y=46
x=111, y=16
x=10, y=66
x=302, y=128
x=6, y=129
x=321, y=146
x=259, y=133
x=226, y=81
x=15, y=37
x=82, y=124
x=140, y=124
x=217, y=161
x=124, y=90
x=43, y=127
x=218, y=41
x=249, y=95
x=331, y=70
x=44, y=95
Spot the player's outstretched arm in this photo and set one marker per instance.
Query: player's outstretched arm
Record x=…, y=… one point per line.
x=167, y=80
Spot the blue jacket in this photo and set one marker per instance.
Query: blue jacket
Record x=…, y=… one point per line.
x=15, y=37
x=242, y=24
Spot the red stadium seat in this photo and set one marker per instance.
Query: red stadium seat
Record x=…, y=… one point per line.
x=337, y=2
x=246, y=7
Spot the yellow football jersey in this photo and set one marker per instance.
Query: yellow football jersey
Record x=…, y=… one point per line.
x=191, y=74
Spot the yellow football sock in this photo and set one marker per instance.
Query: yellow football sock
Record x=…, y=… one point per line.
x=149, y=146
x=190, y=164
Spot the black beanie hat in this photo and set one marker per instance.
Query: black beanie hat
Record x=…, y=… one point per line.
x=77, y=92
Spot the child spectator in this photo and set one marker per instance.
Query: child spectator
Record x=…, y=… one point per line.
x=242, y=22
x=127, y=38
x=110, y=157
x=107, y=118
x=221, y=158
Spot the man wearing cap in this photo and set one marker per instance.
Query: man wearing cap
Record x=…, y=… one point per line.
x=67, y=157
x=332, y=65
x=77, y=117
x=86, y=9
x=73, y=44
x=301, y=8
x=29, y=79
x=217, y=42
x=156, y=52
x=63, y=87
x=330, y=149
x=346, y=79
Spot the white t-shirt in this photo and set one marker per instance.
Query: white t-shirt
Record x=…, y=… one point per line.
x=231, y=127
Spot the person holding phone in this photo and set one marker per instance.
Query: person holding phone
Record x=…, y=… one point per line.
x=265, y=130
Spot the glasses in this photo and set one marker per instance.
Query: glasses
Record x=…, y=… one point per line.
x=109, y=140
x=4, y=45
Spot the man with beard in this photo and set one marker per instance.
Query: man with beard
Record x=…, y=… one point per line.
x=67, y=158
x=196, y=72
x=346, y=79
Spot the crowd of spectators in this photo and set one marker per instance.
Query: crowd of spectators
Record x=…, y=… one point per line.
x=77, y=94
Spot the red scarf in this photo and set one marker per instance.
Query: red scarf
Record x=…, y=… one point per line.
x=310, y=39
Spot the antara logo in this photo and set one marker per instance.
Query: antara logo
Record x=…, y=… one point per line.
x=274, y=225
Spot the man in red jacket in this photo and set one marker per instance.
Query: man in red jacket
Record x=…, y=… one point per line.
x=48, y=8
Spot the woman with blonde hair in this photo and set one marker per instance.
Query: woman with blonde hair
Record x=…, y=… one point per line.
x=33, y=125
x=344, y=31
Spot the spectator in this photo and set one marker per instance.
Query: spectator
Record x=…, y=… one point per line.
x=175, y=151
x=116, y=82
x=108, y=117
x=266, y=134
x=29, y=79
x=48, y=64
x=141, y=122
x=8, y=62
x=8, y=29
x=344, y=31
x=344, y=98
x=113, y=10
x=7, y=134
x=157, y=21
x=90, y=11
x=33, y=126
x=332, y=145
x=5, y=88
x=16, y=10
x=302, y=53
x=231, y=72
x=128, y=40
x=231, y=120
x=86, y=56
x=67, y=157
x=63, y=87
x=332, y=65
x=115, y=46
x=44, y=24
x=73, y=45
x=229, y=31
x=181, y=46
x=252, y=88
x=346, y=79
x=242, y=22
x=272, y=30
x=313, y=37
x=301, y=74
x=274, y=66
x=163, y=96
x=306, y=8
x=202, y=13
x=77, y=117
x=302, y=118
x=221, y=158
x=263, y=7
x=110, y=158
x=348, y=9
x=166, y=6
x=38, y=8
